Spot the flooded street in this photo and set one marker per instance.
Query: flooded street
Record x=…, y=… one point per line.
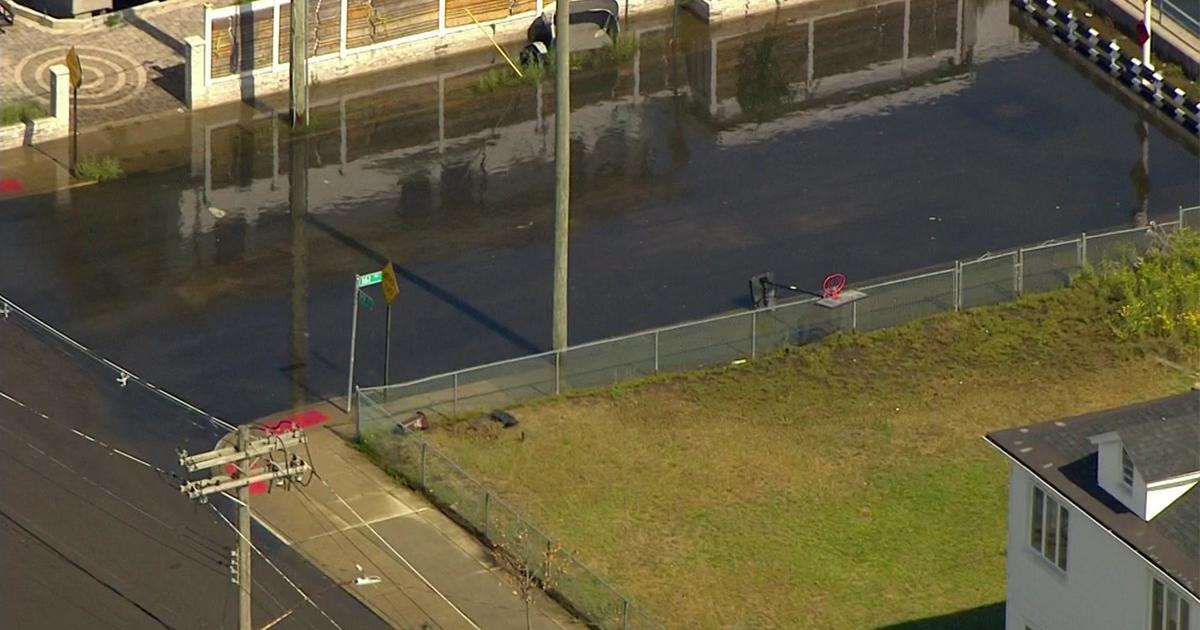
x=835, y=137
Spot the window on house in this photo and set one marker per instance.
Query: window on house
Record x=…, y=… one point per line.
x=1168, y=609
x=1048, y=526
x=1126, y=468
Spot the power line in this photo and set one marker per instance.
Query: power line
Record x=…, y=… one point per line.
x=123, y=375
x=335, y=531
x=276, y=568
x=397, y=554
x=44, y=540
x=161, y=471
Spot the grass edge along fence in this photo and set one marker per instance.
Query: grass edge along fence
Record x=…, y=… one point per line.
x=990, y=279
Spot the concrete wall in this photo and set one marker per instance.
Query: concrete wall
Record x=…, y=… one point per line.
x=57, y=125
x=201, y=92
x=1106, y=585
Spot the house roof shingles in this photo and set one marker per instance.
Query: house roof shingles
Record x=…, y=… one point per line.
x=1163, y=439
x=1162, y=448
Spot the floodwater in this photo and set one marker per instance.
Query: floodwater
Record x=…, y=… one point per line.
x=834, y=137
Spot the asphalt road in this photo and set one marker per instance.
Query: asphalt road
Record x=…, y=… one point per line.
x=91, y=539
x=248, y=313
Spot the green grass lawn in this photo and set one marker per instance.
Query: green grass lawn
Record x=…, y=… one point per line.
x=839, y=485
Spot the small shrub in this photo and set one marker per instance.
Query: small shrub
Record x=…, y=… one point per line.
x=25, y=111
x=113, y=19
x=1156, y=297
x=504, y=77
x=621, y=52
x=99, y=168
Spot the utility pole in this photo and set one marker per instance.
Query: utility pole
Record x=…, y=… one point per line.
x=299, y=59
x=241, y=458
x=562, y=166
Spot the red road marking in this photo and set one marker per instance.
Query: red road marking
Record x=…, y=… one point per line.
x=283, y=425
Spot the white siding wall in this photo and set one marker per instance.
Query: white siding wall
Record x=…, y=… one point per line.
x=1106, y=586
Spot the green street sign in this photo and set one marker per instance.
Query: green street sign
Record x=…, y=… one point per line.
x=366, y=300
x=370, y=279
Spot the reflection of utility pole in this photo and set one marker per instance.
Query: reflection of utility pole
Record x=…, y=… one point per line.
x=298, y=202
x=1140, y=175
x=299, y=60
x=562, y=165
x=241, y=458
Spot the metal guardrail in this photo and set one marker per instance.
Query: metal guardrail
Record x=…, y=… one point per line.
x=1189, y=21
x=993, y=278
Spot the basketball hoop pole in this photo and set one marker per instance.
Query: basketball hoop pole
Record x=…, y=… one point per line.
x=833, y=291
x=792, y=287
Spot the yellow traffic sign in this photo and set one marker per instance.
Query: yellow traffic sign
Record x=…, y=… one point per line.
x=390, y=287
x=74, y=68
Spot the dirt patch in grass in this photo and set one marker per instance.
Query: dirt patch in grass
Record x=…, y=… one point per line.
x=838, y=485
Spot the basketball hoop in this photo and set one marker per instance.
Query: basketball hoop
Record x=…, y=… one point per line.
x=832, y=287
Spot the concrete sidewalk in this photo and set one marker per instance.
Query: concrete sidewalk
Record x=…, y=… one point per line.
x=435, y=575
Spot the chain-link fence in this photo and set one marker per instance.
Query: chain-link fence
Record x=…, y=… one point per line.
x=534, y=557
x=989, y=279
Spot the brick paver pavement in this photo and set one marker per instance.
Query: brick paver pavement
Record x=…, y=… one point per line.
x=130, y=70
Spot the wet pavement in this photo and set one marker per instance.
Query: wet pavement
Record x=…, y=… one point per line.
x=93, y=539
x=869, y=141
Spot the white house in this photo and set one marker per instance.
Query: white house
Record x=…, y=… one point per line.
x=1104, y=519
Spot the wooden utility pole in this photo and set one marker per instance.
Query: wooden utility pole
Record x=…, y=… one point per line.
x=562, y=165
x=242, y=457
x=298, y=58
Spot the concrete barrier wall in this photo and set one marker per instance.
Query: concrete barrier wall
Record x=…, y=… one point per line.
x=56, y=125
x=203, y=90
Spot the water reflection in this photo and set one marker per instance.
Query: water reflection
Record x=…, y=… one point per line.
x=867, y=139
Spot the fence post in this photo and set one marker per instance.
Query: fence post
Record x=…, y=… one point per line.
x=753, y=334
x=656, y=352
x=274, y=36
x=1019, y=272
x=624, y=614
x=557, y=361
x=1082, y=250
x=957, y=282
x=423, y=486
x=342, y=29
x=487, y=500
x=854, y=315
x=455, y=405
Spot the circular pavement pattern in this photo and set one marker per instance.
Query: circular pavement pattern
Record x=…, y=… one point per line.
x=109, y=77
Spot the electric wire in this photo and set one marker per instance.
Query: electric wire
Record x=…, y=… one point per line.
x=334, y=531
x=397, y=554
x=123, y=375
x=273, y=431
x=144, y=464
x=276, y=568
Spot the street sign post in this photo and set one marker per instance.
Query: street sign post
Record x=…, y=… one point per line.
x=76, y=73
x=391, y=288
